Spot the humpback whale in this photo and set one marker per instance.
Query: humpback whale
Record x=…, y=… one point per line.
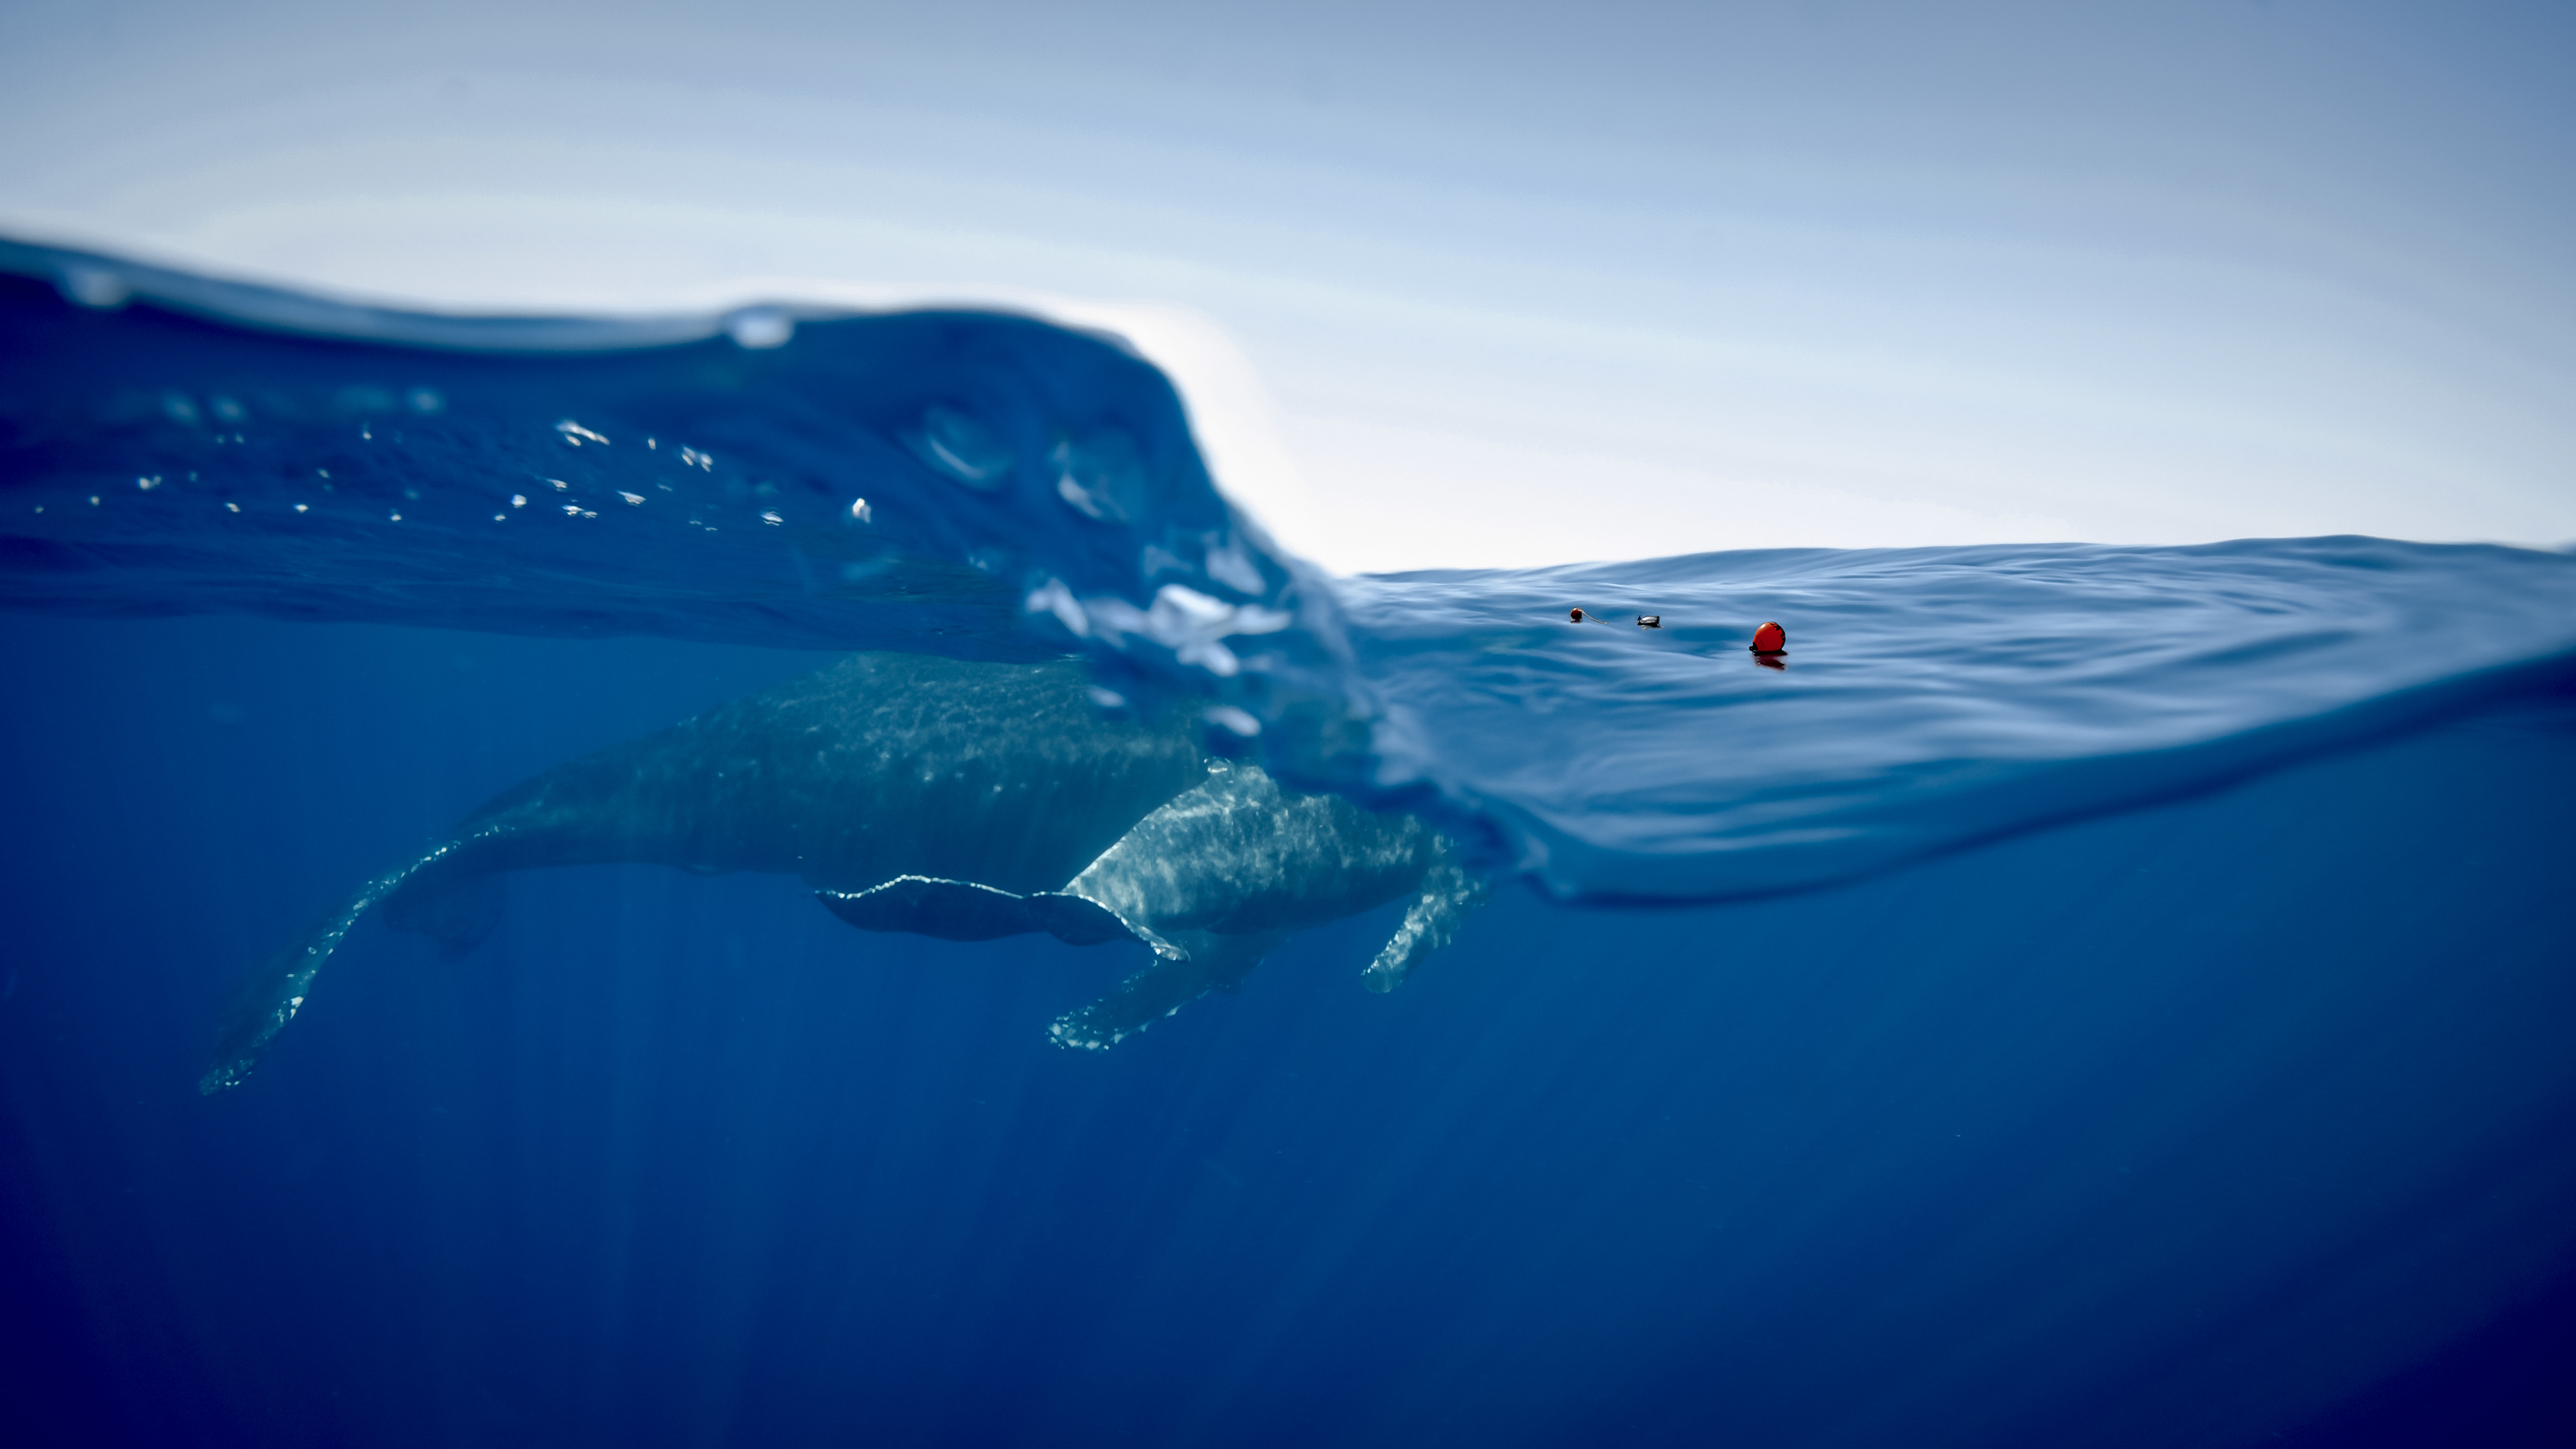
x=951, y=799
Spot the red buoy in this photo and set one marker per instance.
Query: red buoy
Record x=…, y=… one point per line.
x=1575, y=614
x=1770, y=639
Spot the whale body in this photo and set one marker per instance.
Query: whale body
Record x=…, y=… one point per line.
x=944, y=798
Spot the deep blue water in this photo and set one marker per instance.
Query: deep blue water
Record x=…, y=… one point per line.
x=2104, y=996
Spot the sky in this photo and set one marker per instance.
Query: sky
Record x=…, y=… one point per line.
x=1498, y=285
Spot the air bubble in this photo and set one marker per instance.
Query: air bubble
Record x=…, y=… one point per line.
x=1229, y=565
x=760, y=328
x=95, y=287
x=962, y=448
x=1236, y=720
x=1103, y=477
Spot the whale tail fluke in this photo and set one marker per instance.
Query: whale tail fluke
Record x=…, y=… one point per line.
x=1214, y=963
x=457, y=911
x=272, y=996
x=269, y=1000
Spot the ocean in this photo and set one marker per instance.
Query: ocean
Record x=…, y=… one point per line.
x=2069, y=995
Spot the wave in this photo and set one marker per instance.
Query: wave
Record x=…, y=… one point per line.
x=990, y=486
x=1927, y=698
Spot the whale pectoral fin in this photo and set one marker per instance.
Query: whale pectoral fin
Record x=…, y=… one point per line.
x=953, y=910
x=957, y=910
x=1079, y=921
x=1448, y=894
x=1214, y=963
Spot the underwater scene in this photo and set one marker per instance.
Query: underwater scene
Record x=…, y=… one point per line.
x=803, y=877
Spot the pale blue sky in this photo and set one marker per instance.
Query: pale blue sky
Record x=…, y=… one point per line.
x=1496, y=284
